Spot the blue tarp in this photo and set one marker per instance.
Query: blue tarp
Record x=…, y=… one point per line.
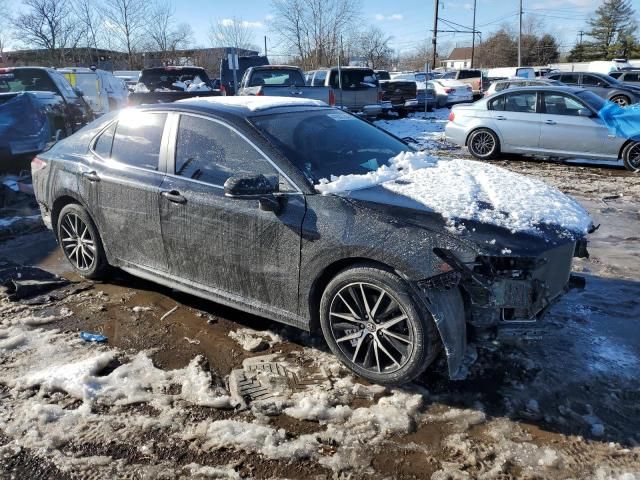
x=622, y=122
x=24, y=127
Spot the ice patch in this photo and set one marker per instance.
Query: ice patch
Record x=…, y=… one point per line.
x=470, y=190
x=255, y=340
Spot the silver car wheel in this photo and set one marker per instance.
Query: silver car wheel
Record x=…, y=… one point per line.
x=77, y=242
x=622, y=101
x=483, y=143
x=371, y=328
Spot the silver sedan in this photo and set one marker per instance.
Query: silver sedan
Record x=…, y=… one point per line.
x=546, y=121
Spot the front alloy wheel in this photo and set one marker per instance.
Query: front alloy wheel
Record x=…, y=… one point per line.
x=621, y=100
x=631, y=157
x=375, y=323
x=371, y=328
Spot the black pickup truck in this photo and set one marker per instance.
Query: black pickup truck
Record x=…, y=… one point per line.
x=401, y=93
x=168, y=84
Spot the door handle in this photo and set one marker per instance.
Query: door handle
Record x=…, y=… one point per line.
x=92, y=176
x=174, y=196
x=550, y=122
x=500, y=117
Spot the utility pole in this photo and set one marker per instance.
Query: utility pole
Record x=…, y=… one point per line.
x=520, y=37
x=434, y=41
x=473, y=34
x=265, y=45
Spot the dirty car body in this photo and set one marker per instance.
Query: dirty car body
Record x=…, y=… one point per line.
x=224, y=206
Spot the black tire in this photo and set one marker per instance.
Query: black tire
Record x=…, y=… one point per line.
x=483, y=144
x=402, y=113
x=370, y=343
x=621, y=100
x=80, y=242
x=631, y=157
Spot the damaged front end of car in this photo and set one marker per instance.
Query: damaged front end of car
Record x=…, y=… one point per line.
x=505, y=295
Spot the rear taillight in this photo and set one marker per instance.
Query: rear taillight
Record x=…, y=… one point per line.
x=449, y=90
x=452, y=116
x=332, y=98
x=37, y=164
x=223, y=90
x=260, y=93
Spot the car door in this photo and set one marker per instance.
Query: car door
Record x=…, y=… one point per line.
x=517, y=120
x=564, y=131
x=228, y=245
x=596, y=84
x=121, y=184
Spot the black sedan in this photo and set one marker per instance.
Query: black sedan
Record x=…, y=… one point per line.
x=219, y=198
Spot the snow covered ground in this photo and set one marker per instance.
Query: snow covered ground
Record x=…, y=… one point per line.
x=162, y=400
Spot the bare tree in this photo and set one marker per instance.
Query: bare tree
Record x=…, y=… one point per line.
x=163, y=32
x=127, y=20
x=314, y=28
x=4, y=29
x=233, y=32
x=49, y=24
x=373, y=46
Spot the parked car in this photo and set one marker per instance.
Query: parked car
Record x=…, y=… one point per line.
x=51, y=94
x=500, y=85
x=169, y=84
x=232, y=214
x=402, y=94
x=542, y=72
x=602, y=85
x=512, y=72
x=546, y=121
x=130, y=77
x=99, y=88
x=627, y=76
x=471, y=77
x=278, y=81
x=607, y=66
x=449, y=92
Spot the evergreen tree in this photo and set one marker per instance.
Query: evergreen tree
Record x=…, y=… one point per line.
x=612, y=31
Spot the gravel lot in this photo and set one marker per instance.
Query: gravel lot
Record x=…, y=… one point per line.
x=159, y=400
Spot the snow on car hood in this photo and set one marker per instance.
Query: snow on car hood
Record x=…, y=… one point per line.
x=470, y=190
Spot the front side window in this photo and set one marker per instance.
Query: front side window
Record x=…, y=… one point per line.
x=591, y=80
x=570, y=78
x=497, y=103
x=557, y=104
x=210, y=152
x=522, y=102
x=137, y=139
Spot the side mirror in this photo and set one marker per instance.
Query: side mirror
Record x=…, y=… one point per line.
x=253, y=187
x=584, y=112
x=78, y=91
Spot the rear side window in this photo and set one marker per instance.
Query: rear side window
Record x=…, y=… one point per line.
x=631, y=77
x=137, y=139
x=102, y=146
x=572, y=78
x=590, y=80
x=501, y=86
x=523, y=102
x=617, y=75
x=210, y=152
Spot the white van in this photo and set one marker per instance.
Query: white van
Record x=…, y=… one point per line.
x=609, y=66
x=512, y=72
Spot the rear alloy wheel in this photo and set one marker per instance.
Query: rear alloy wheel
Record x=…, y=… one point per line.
x=621, y=100
x=80, y=242
x=631, y=157
x=483, y=144
x=372, y=323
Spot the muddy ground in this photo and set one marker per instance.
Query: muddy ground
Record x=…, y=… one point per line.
x=564, y=403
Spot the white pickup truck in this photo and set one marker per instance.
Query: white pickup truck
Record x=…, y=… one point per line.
x=358, y=92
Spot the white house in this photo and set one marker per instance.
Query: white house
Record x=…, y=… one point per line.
x=460, y=57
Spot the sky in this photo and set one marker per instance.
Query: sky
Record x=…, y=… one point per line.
x=408, y=22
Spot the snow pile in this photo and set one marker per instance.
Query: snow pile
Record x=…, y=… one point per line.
x=255, y=103
x=470, y=190
x=426, y=130
x=254, y=340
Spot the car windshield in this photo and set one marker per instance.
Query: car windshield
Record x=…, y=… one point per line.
x=593, y=100
x=26, y=80
x=356, y=147
x=383, y=75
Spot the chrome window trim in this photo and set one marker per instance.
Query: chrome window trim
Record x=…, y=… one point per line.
x=107, y=161
x=172, y=160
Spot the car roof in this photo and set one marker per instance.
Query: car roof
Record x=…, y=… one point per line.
x=555, y=88
x=239, y=107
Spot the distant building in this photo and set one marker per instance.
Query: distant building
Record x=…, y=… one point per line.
x=460, y=57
